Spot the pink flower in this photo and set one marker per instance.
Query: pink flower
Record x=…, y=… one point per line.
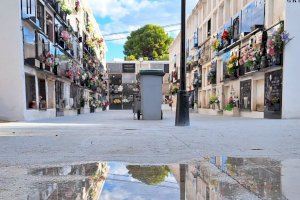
x=65, y=35
x=272, y=52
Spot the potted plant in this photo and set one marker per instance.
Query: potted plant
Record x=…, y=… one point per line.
x=213, y=101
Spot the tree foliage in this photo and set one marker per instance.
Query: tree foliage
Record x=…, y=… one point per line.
x=150, y=175
x=150, y=41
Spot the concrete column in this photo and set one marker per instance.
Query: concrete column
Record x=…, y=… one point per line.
x=291, y=64
x=269, y=12
x=12, y=76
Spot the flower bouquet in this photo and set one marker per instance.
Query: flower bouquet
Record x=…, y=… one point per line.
x=232, y=65
x=65, y=36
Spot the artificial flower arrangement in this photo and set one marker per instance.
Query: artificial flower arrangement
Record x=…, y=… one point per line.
x=65, y=7
x=65, y=36
x=85, y=57
x=49, y=60
x=70, y=70
x=174, y=89
x=275, y=45
x=230, y=105
x=226, y=37
x=251, y=56
x=117, y=101
x=216, y=44
x=69, y=73
x=91, y=43
x=213, y=100
x=94, y=103
x=232, y=64
x=77, y=5
x=100, y=41
x=90, y=27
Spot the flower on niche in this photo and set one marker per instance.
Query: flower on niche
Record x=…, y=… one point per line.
x=65, y=35
x=225, y=35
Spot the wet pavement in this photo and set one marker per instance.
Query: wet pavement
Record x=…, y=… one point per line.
x=58, y=159
x=213, y=178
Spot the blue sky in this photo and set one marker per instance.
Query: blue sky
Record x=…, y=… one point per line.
x=119, y=185
x=116, y=16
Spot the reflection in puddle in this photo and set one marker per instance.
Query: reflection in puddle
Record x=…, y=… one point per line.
x=84, y=188
x=209, y=179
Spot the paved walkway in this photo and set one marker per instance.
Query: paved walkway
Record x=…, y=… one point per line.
x=115, y=136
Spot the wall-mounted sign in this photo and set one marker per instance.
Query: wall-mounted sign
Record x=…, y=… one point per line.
x=273, y=94
x=128, y=67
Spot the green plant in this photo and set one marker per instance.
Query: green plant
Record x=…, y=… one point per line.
x=150, y=175
x=150, y=41
x=229, y=107
x=174, y=89
x=213, y=99
x=249, y=64
x=90, y=27
x=65, y=7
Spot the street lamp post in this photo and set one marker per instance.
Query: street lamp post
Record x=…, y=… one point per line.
x=182, y=108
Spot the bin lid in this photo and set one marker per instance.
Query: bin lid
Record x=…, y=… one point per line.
x=152, y=72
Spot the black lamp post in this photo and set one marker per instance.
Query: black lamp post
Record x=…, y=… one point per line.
x=182, y=109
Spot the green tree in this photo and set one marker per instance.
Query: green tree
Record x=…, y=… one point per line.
x=150, y=41
x=150, y=175
x=130, y=58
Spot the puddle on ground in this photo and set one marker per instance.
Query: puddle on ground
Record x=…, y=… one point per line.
x=215, y=178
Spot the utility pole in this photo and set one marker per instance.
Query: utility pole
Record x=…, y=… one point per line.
x=182, y=108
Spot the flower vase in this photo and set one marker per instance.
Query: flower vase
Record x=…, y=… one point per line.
x=278, y=59
x=277, y=107
x=263, y=62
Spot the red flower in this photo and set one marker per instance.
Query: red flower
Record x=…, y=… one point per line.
x=225, y=35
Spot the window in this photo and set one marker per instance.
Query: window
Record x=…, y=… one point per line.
x=30, y=92
x=49, y=27
x=29, y=45
x=42, y=94
x=28, y=8
x=40, y=15
x=209, y=28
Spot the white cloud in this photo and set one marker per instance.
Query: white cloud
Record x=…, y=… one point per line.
x=129, y=15
x=117, y=9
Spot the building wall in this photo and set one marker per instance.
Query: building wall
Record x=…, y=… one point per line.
x=13, y=105
x=12, y=79
x=291, y=86
x=218, y=13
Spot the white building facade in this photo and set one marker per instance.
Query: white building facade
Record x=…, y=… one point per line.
x=242, y=58
x=52, y=60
